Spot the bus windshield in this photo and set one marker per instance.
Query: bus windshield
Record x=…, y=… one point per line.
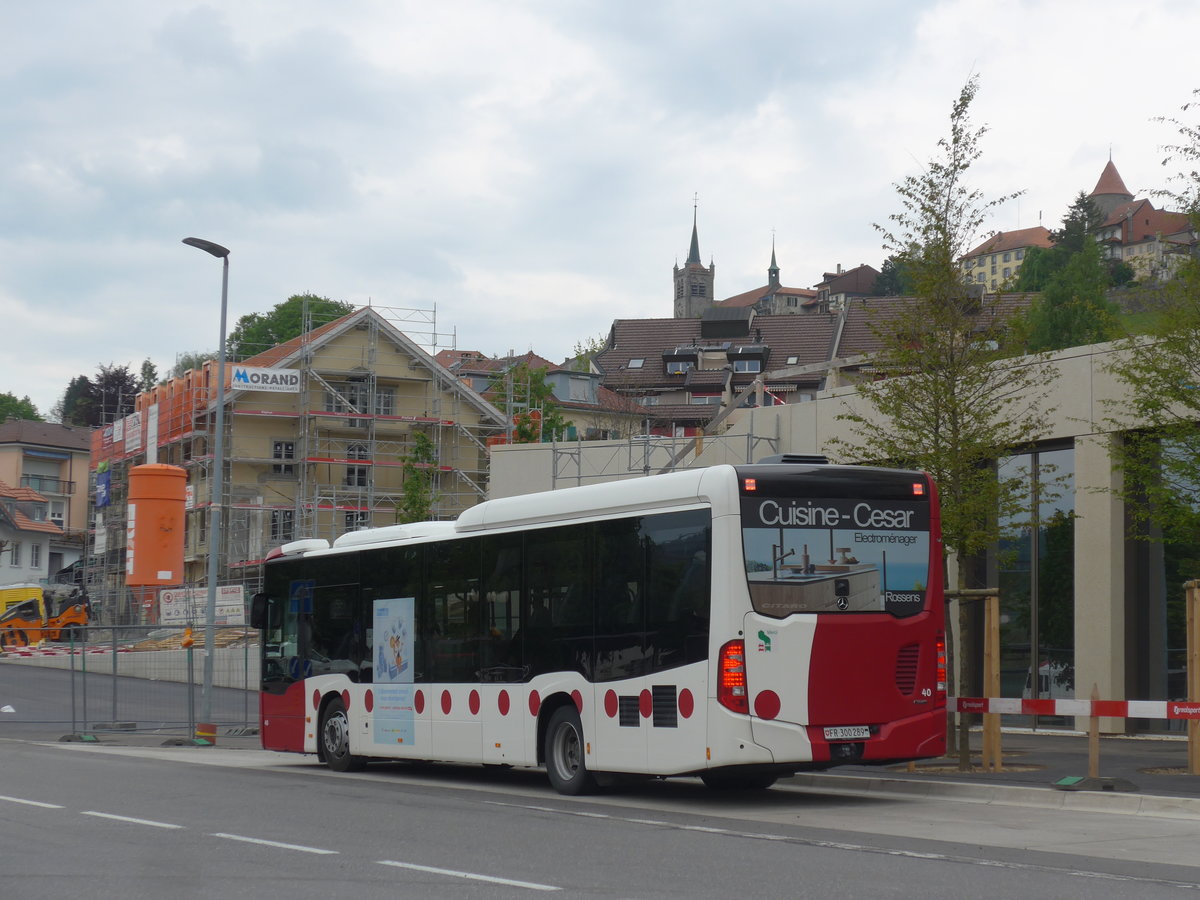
x=809, y=552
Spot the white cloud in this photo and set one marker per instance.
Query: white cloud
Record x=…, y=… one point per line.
x=527, y=166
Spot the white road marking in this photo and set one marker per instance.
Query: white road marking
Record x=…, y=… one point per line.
x=130, y=819
x=32, y=803
x=278, y=844
x=867, y=848
x=531, y=885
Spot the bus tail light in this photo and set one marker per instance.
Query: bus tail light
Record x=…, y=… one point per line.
x=731, y=677
x=941, y=663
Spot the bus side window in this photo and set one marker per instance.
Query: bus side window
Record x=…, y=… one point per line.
x=677, y=551
x=452, y=583
x=502, y=652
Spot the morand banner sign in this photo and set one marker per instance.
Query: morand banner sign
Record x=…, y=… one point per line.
x=284, y=381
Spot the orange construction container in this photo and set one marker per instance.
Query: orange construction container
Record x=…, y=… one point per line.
x=154, y=542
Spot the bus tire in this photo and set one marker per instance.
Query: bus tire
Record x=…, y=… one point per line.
x=738, y=781
x=335, y=739
x=564, y=752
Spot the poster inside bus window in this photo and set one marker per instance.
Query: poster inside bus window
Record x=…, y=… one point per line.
x=824, y=555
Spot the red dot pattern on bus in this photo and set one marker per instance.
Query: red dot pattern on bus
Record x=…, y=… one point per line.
x=645, y=704
x=447, y=702
x=473, y=703
x=369, y=701
x=346, y=700
x=535, y=702
x=503, y=703
x=316, y=699
x=766, y=705
x=578, y=698
x=419, y=702
x=687, y=703
x=611, y=705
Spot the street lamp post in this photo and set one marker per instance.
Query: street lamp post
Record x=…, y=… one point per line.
x=218, y=484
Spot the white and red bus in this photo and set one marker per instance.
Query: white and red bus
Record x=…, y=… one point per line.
x=736, y=622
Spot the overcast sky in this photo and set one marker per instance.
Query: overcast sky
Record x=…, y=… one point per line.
x=526, y=168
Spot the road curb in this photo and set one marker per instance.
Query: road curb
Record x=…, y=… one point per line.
x=1129, y=804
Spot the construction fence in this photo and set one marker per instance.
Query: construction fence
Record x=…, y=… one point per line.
x=130, y=678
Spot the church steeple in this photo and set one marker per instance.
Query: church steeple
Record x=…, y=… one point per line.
x=773, y=271
x=694, y=251
x=694, y=283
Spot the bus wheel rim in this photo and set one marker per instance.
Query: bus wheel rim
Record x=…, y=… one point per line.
x=337, y=735
x=566, y=750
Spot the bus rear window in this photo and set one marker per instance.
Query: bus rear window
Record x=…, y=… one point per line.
x=835, y=555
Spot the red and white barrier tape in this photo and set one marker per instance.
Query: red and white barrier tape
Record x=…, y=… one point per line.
x=1117, y=709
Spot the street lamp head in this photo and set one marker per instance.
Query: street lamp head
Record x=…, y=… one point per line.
x=207, y=246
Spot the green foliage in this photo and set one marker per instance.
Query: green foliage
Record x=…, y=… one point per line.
x=894, y=279
x=535, y=415
x=149, y=375
x=958, y=399
x=110, y=396
x=1079, y=225
x=1073, y=308
x=187, y=361
x=1160, y=462
x=257, y=332
x=585, y=350
x=1039, y=266
x=13, y=408
x=416, y=499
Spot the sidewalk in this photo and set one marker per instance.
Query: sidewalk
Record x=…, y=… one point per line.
x=1134, y=772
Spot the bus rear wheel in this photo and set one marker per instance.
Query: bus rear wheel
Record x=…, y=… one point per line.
x=335, y=739
x=564, y=751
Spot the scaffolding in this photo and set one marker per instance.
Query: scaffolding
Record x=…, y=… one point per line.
x=317, y=462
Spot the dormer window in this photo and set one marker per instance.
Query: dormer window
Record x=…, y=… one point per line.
x=747, y=365
x=679, y=366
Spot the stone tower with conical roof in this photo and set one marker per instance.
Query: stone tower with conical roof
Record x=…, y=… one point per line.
x=694, y=282
x=1110, y=191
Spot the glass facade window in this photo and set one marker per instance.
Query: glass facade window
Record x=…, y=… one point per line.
x=1035, y=564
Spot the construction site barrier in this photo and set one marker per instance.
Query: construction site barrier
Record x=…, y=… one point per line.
x=128, y=678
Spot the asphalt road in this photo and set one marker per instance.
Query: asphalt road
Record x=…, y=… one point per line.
x=150, y=822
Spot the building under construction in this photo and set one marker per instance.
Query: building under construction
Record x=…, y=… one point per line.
x=320, y=434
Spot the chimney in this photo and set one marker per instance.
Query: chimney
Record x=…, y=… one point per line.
x=839, y=271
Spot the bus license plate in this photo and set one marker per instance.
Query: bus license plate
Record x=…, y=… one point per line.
x=847, y=733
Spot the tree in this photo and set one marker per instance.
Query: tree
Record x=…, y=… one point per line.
x=257, y=332
x=1160, y=461
x=187, y=361
x=100, y=401
x=894, y=279
x=149, y=375
x=75, y=407
x=416, y=499
x=960, y=398
x=1079, y=225
x=13, y=408
x=1074, y=308
x=535, y=415
x=585, y=350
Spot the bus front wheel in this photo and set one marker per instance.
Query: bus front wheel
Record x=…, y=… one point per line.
x=564, y=750
x=335, y=739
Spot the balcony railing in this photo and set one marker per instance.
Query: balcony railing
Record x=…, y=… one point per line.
x=45, y=484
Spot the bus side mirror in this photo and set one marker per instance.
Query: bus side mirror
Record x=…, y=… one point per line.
x=259, y=606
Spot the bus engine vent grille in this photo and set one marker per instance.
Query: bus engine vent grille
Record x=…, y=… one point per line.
x=906, y=668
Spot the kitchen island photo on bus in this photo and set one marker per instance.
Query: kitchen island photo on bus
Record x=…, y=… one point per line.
x=833, y=555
